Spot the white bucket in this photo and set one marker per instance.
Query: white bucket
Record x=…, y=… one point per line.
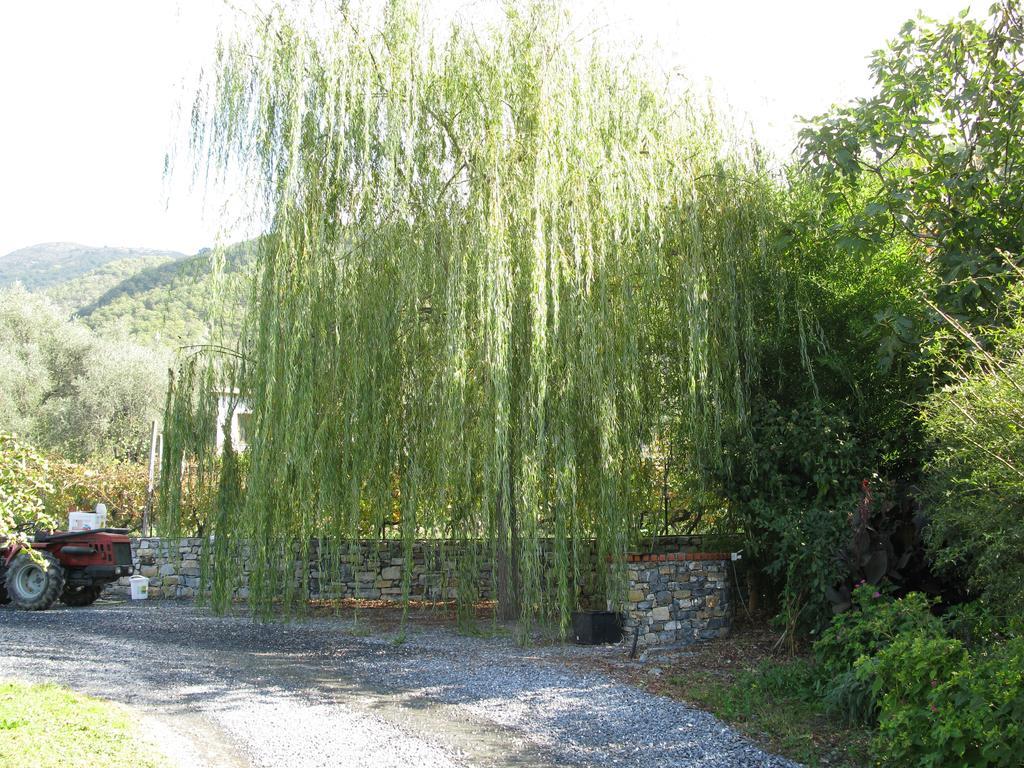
x=140, y=587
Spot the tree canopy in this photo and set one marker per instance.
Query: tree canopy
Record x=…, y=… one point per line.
x=504, y=267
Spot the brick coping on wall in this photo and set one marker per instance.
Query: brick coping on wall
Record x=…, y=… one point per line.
x=634, y=557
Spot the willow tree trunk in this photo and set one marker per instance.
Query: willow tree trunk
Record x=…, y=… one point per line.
x=508, y=571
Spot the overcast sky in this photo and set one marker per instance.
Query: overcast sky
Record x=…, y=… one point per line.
x=91, y=92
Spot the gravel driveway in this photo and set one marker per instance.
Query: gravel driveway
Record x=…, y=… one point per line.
x=229, y=692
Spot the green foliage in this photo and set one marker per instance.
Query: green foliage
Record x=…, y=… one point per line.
x=793, y=492
x=937, y=700
x=36, y=492
x=976, y=477
x=176, y=303
x=847, y=649
x=873, y=624
x=982, y=622
x=836, y=405
x=66, y=389
x=938, y=150
x=920, y=188
x=494, y=257
x=24, y=486
x=121, y=486
x=940, y=705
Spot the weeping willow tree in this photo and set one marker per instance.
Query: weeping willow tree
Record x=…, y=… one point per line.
x=501, y=265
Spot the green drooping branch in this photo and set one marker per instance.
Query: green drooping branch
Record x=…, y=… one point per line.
x=492, y=259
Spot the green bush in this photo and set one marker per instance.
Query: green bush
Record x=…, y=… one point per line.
x=24, y=486
x=874, y=623
x=983, y=623
x=944, y=692
x=792, y=499
x=846, y=650
x=975, y=479
x=120, y=485
x=941, y=705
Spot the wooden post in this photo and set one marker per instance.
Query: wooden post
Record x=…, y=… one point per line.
x=150, y=486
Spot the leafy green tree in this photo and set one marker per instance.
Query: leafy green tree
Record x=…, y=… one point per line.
x=70, y=390
x=939, y=147
x=494, y=257
x=109, y=406
x=836, y=405
x=934, y=159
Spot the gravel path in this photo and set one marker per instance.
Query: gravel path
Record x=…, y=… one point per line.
x=230, y=692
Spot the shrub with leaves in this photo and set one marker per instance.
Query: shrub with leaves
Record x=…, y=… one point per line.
x=983, y=623
x=846, y=650
x=938, y=700
x=875, y=621
x=941, y=705
x=121, y=486
x=792, y=498
x=976, y=478
x=24, y=486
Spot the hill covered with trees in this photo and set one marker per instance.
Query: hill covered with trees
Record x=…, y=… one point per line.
x=173, y=303
x=158, y=298
x=77, y=292
x=50, y=264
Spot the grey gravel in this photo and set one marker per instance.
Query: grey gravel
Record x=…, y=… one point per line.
x=314, y=693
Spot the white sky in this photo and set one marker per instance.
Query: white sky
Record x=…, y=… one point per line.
x=90, y=94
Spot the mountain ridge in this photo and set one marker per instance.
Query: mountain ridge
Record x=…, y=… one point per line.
x=158, y=298
x=47, y=264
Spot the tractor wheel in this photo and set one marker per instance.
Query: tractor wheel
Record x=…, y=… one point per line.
x=78, y=597
x=4, y=599
x=32, y=588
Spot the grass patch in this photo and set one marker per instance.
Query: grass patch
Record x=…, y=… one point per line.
x=48, y=726
x=775, y=704
x=769, y=699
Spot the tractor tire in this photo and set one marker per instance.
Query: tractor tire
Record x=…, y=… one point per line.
x=4, y=599
x=32, y=588
x=78, y=597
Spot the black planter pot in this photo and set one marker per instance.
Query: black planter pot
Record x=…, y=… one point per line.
x=595, y=627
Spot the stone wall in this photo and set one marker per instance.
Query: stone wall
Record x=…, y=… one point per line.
x=678, y=597
x=172, y=566
x=372, y=572
x=675, y=597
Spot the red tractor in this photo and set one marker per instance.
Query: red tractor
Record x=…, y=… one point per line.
x=72, y=567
